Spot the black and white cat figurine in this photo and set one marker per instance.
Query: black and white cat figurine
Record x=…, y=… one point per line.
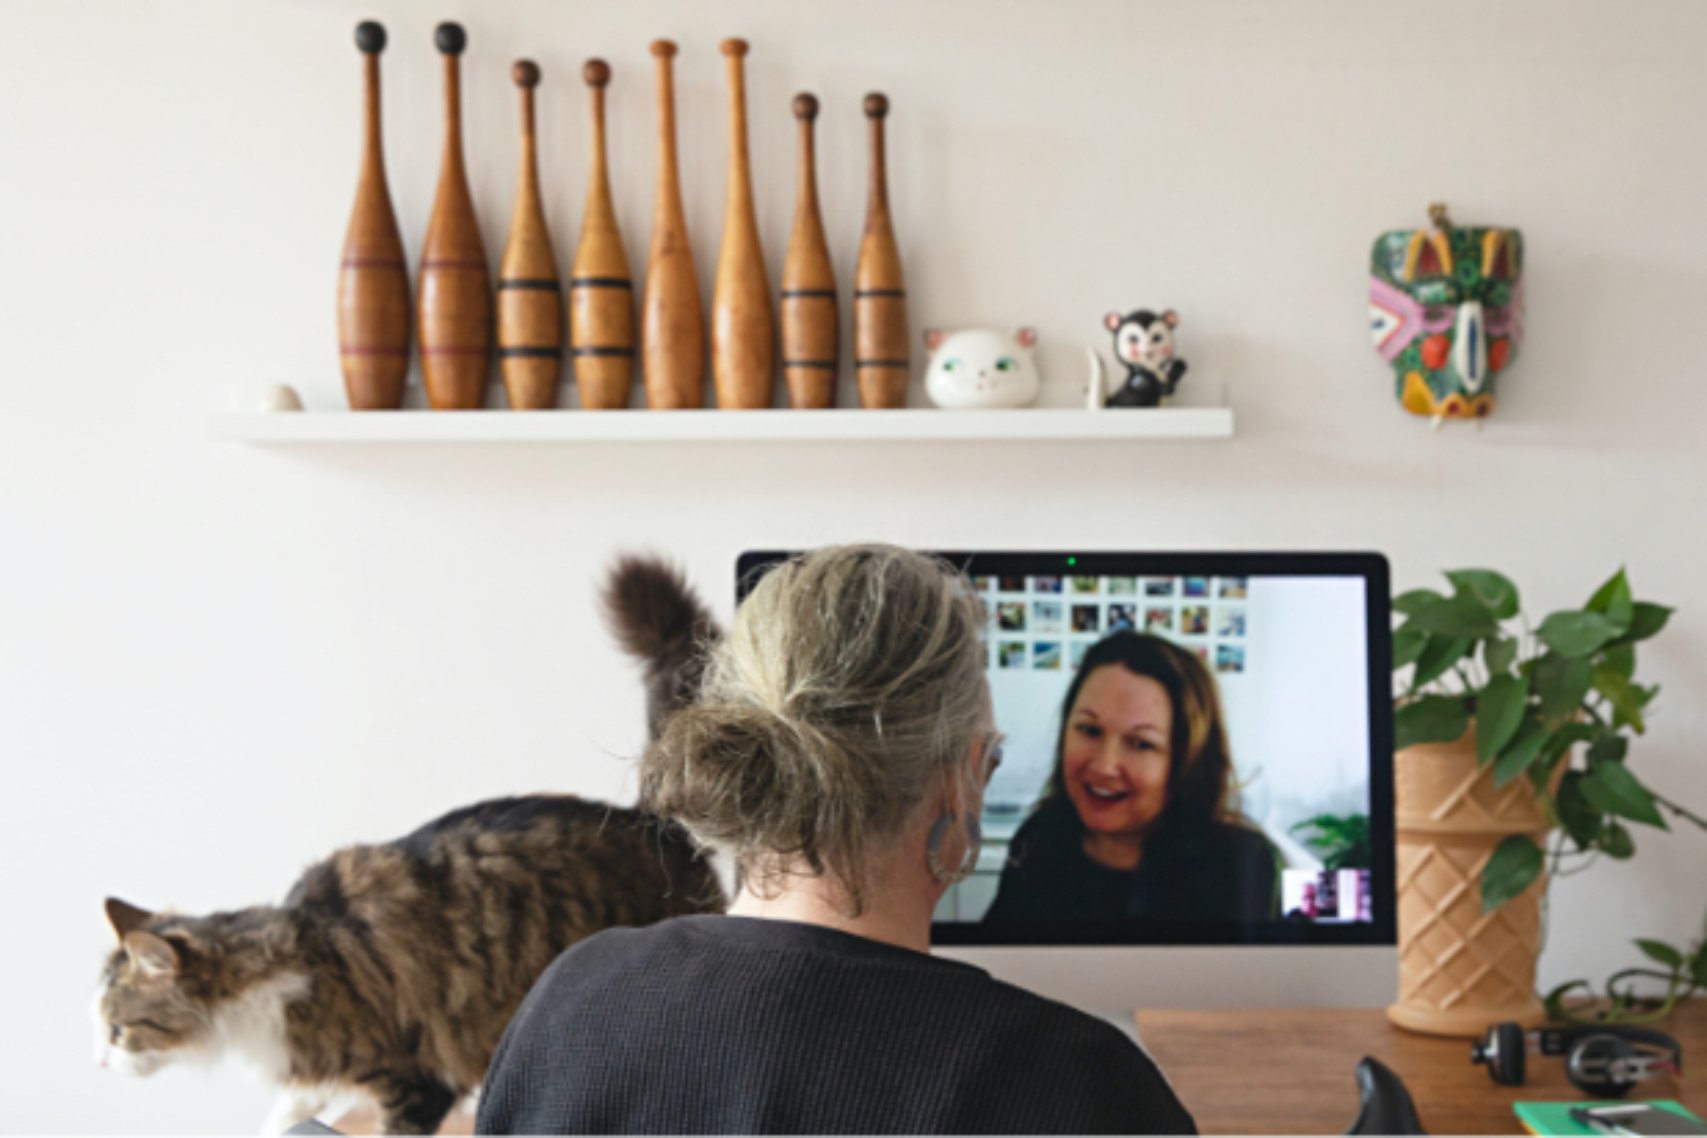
x=1144, y=342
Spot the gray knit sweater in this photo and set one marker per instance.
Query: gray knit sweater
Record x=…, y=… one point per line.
x=732, y=1025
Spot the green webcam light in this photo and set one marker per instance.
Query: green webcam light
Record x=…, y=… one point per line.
x=1072, y=560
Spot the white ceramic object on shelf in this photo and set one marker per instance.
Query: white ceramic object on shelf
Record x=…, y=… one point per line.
x=981, y=369
x=278, y=397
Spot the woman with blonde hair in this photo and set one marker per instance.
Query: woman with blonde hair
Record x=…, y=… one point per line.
x=838, y=753
x=1136, y=823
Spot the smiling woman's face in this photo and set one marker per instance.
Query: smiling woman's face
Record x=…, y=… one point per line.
x=1115, y=756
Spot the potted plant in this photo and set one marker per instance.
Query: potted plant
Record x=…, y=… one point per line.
x=1340, y=840
x=1511, y=738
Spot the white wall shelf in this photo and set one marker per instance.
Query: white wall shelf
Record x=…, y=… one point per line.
x=850, y=425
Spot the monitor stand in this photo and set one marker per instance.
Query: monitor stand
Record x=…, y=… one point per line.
x=1107, y=981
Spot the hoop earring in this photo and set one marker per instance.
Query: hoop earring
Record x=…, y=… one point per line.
x=968, y=861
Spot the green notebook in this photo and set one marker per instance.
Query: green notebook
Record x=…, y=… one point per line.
x=1555, y=1117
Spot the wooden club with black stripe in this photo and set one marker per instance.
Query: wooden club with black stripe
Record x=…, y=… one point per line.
x=601, y=293
x=808, y=286
x=880, y=294
x=530, y=297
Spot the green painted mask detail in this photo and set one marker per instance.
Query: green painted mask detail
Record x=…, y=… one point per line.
x=1446, y=311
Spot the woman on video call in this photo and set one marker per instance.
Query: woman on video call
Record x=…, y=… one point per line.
x=1134, y=823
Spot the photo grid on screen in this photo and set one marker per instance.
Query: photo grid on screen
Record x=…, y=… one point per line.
x=1048, y=623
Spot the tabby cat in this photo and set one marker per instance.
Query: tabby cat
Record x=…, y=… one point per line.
x=660, y=621
x=393, y=969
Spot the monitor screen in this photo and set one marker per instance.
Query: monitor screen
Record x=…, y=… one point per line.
x=1197, y=749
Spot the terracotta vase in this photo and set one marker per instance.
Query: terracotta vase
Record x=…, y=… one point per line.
x=1461, y=970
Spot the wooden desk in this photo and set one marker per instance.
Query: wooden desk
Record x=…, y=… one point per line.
x=1290, y=1072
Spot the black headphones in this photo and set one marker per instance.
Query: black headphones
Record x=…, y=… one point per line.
x=1599, y=1061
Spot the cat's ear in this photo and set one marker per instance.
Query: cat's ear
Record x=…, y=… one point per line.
x=154, y=955
x=1170, y=318
x=1113, y=320
x=1026, y=337
x=126, y=918
x=934, y=338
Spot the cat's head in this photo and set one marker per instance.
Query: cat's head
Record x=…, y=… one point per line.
x=981, y=368
x=148, y=1010
x=1143, y=338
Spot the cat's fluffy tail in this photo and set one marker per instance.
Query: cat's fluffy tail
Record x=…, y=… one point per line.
x=657, y=618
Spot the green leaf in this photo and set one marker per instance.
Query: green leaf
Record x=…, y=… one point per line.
x=1514, y=866
x=1437, y=657
x=1494, y=591
x=1646, y=695
x=1698, y=967
x=1647, y=620
x=1608, y=747
x=1613, y=789
x=1576, y=814
x=1499, y=710
x=1460, y=615
x=1498, y=654
x=1573, y=634
x=1619, y=658
x=1622, y=696
x=1661, y=951
x=1555, y=1000
x=1612, y=600
x=1566, y=737
x=1562, y=684
x=1407, y=646
x=1406, y=604
x=1617, y=843
x=1341, y=840
x=1520, y=752
x=1432, y=719
x=1553, y=752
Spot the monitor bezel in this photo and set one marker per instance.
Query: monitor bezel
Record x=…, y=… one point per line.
x=1373, y=569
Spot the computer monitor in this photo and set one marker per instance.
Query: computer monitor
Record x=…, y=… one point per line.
x=1280, y=891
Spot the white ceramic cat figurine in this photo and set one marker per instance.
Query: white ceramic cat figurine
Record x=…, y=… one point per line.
x=981, y=368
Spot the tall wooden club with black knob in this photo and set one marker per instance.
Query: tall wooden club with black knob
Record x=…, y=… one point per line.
x=455, y=303
x=373, y=277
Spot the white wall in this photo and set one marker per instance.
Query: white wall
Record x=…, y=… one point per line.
x=1299, y=718
x=218, y=663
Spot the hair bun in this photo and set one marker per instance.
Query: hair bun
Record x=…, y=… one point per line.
x=850, y=680
x=709, y=764
x=742, y=777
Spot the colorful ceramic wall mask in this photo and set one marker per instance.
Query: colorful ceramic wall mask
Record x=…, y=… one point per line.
x=1446, y=311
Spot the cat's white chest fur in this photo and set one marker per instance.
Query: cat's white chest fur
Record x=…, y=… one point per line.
x=981, y=368
x=251, y=1030
x=251, y=1027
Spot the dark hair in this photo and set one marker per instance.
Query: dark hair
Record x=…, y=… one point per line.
x=1200, y=762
